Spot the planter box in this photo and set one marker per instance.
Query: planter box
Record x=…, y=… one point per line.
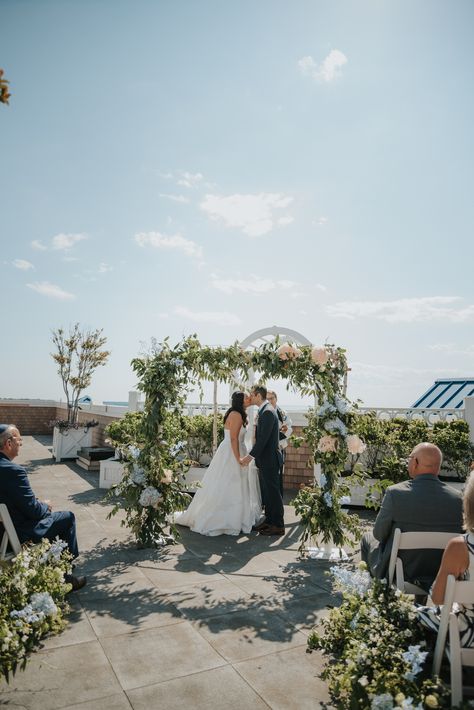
x=359, y=493
x=111, y=472
x=66, y=443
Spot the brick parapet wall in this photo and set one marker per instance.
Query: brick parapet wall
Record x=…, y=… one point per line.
x=33, y=419
x=297, y=470
x=30, y=419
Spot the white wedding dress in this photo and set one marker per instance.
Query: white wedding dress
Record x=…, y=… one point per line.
x=228, y=501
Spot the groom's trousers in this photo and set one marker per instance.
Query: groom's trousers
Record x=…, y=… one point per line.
x=274, y=511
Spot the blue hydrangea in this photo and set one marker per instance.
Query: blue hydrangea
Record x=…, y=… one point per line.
x=358, y=581
x=382, y=702
x=415, y=658
x=336, y=424
x=328, y=499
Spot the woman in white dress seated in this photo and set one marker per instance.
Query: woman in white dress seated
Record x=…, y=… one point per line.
x=458, y=560
x=228, y=502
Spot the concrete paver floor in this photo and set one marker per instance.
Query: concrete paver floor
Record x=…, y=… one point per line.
x=208, y=623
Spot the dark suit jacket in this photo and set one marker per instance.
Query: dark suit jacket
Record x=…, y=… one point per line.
x=30, y=517
x=420, y=504
x=266, y=450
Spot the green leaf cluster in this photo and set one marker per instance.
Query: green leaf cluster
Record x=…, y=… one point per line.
x=390, y=441
x=78, y=354
x=365, y=639
x=31, y=571
x=166, y=374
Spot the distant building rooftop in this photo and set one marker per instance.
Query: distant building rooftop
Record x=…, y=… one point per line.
x=447, y=393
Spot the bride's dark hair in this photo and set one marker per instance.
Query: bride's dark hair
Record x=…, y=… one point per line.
x=237, y=405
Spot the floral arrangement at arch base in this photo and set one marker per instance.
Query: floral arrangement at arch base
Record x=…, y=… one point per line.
x=150, y=493
x=320, y=506
x=378, y=653
x=32, y=601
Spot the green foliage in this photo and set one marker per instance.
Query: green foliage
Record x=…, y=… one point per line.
x=390, y=441
x=36, y=570
x=149, y=492
x=194, y=434
x=77, y=355
x=199, y=432
x=126, y=431
x=377, y=652
x=319, y=506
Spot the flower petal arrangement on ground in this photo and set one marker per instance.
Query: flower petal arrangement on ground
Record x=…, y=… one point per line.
x=32, y=606
x=378, y=652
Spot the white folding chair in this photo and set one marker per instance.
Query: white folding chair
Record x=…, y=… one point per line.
x=9, y=535
x=459, y=592
x=413, y=541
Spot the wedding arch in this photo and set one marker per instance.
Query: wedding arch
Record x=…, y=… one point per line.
x=149, y=491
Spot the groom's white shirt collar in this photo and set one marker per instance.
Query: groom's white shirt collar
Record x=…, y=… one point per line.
x=264, y=404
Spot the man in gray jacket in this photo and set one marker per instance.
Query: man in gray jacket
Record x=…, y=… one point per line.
x=423, y=503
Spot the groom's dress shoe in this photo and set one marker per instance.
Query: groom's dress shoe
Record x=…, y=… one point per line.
x=272, y=530
x=260, y=526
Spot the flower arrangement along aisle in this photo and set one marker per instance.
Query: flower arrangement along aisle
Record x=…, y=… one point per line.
x=32, y=606
x=378, y=651
x=329, y=435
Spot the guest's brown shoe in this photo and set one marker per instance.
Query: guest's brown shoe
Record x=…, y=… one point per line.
x=75, y=582
x=272, y=530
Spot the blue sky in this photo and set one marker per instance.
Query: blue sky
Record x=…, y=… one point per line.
x=215, y=167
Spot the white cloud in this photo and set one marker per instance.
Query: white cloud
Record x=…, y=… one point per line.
x=216, y=317
x=405, y=310
x=37, y=244
x=67, y=241
x=253, y=214
x=22, y=264
x=321, y=221
x=105, y=268
x=328, y=70
x=190, y=179
x=173, y=242
x=253, y=284
x=390, y=374
x=452, y=349
x=175, y=198
x=48, y=289
x=287, y=219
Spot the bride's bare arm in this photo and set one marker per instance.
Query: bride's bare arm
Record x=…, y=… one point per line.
x=234, y=424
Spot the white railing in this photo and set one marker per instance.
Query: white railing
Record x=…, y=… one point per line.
x=428, y=415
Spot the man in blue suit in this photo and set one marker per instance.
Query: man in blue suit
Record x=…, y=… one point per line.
x=33, y=519
x=268, y=459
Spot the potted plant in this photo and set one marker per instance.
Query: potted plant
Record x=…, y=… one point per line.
x=77, y=355
x=389, y=442
x=198, y=444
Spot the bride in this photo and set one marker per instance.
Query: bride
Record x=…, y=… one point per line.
x=228, y=502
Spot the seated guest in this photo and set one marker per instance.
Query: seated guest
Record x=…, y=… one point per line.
x=33, y=519
x=458, y=560
x=421, y=504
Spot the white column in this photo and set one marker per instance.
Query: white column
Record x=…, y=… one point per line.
x=469, y=416
x=133, y=398
x=214, y=423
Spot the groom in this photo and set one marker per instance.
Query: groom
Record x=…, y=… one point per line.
x=267, y=455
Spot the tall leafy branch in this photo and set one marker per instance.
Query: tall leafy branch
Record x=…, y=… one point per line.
x=78, y=354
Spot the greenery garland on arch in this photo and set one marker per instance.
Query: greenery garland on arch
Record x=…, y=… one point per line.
x=149, y=491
